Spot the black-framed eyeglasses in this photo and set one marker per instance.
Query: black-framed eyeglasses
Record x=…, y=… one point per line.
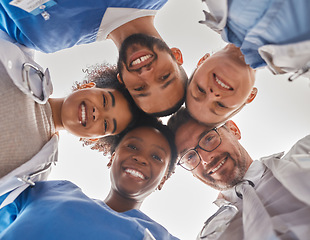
x=207, y=142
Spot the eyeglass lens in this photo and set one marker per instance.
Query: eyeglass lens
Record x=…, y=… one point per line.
x=208, y=142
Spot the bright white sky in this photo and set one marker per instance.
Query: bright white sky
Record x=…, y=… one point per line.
x=278, y=117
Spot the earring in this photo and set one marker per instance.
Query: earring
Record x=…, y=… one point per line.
x=86, y=85
x=109, y=164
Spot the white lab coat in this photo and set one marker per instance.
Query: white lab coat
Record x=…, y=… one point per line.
x=282, y=186
x=35, y=83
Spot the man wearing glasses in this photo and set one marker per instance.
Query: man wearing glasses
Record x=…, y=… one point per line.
x=263, y=199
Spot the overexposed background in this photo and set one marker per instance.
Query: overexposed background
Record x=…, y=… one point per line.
x=278, y=117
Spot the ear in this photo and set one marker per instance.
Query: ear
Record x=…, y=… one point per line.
x=233, y=128
x=201, y=60
x=86, y=85
x=111, y=160
x=178, y=55
x=161, y=184
x=252, y=95
x=120, y=79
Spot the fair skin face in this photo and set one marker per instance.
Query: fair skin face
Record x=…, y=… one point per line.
x=153, y=78
x=92, y=112
x=221, y=84
x=138, y=167
x=223, y=167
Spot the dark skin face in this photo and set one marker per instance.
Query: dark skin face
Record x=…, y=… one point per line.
x=139, y=164
x=95, y=112
x=223, y=167
x=151, y=74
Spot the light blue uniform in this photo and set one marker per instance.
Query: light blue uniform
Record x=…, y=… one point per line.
x=252, y=24
x=60, y=210
x=70, y=22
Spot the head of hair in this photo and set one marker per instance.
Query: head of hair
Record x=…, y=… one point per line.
x=178, y=119
x=108, y=144
x=177, y=106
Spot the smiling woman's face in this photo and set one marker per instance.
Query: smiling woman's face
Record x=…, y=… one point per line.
x=139, y=163
x=221, y=84
x=95, y=112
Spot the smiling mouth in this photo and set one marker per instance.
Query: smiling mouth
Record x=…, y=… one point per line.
x=216, y=168
x=135, y=173
x=82, y=114
x=141, y=61
x=220, y=82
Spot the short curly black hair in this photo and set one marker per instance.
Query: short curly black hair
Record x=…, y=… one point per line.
x=108, y=144
x=105, y=76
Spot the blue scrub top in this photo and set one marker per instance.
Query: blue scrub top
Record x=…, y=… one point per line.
x=70, y=23
x=60, y=210
x=252, y=24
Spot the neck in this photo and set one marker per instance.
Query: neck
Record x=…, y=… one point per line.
x=120, y=203
x=144, y=25
x=56, y=105
x=249, y=160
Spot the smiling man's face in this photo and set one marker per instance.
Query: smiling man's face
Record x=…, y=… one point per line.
x=223, y=167
x=151, y=73
x=220, y=86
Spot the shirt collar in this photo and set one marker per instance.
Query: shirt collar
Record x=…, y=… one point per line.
x=254, y=174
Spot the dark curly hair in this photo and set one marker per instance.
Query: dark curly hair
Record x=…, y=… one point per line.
x=105, y=76
x=108, y=144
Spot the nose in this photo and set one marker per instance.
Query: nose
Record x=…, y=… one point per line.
x=206, y=157
x=146, y=73
x=98, y=113
x=140, y=159
x=213, y=94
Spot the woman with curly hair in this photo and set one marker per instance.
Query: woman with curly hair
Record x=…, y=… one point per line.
x=30, y=120
x=142, y=159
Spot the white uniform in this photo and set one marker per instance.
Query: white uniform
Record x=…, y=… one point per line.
x=30, y=87
x=278, y=208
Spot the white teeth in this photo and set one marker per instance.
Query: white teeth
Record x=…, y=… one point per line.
x=141, y=59
x=218, y=167
x=221, y=83
x=83, y=113
x=135, y=173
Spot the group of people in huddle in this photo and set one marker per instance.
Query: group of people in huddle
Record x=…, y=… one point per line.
x=117, y=108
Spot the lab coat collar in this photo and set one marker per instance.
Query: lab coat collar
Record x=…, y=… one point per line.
x=26, y=74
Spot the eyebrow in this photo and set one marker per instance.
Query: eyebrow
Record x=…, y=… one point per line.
x=115, y=125
x=113, y=98
x=198, y=138
x=168, y=83
x=135, y=138
x=140, y=139
x=213, y=111
x=142, y=95
x=162, y=87
x=159, y=147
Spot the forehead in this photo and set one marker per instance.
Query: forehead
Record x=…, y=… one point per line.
x=148, y=136
x=188, y=135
